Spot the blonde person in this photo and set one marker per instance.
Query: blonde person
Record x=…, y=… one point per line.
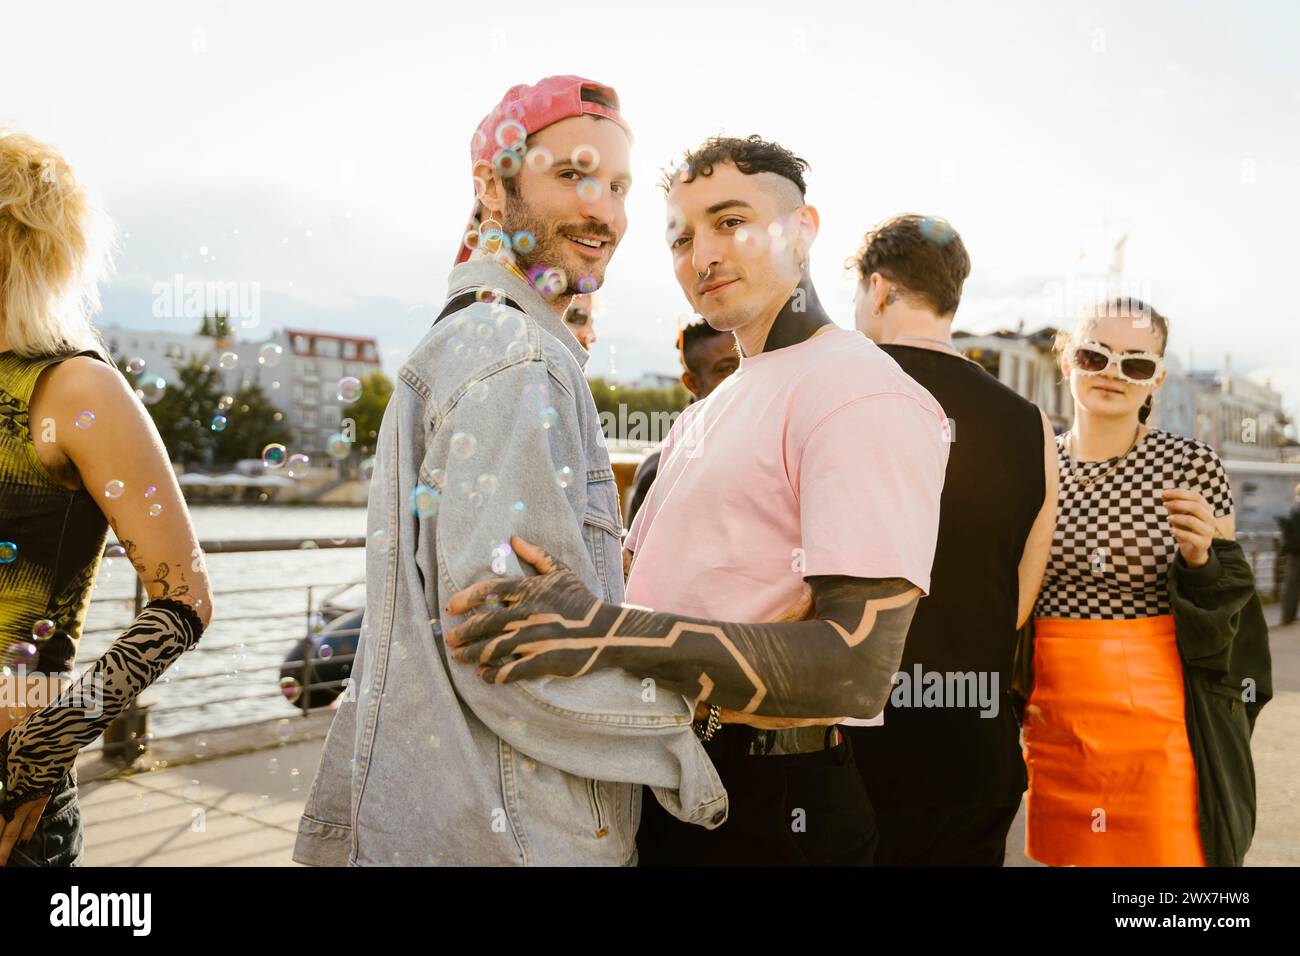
x=78, y=453
x=1149, y=654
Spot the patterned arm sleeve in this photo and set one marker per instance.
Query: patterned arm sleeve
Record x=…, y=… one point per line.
x=36, y=754
x=1204, y=472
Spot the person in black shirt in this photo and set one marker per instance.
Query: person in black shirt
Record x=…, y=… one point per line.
x=708, y=357
x=944, y=771
x=1290, y=525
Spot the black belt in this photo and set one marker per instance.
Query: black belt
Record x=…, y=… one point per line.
x=741, y=740
x=793, y=740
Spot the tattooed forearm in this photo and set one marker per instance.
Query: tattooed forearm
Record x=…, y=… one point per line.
x=157, y=584
x=842, y=663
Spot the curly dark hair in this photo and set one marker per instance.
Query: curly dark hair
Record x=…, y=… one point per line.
x=923, y=254
x=692, y=335
x=753, y=154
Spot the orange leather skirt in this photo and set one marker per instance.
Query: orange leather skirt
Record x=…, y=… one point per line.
x=1111, y=776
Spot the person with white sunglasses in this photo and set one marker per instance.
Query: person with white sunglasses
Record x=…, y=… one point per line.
x=1113, y=779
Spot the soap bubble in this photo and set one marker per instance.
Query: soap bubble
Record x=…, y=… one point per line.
x=338, y=446
x=227, y=360
x=297, y=465
x=290, y=689
x=525, y=241
x=487, y=483
x=85, y=419
x=750, y=240
x=507, y=163
x=151, y=389
x=224, y=403
x=325, y=652
x=564, y=476
x=518, y=510
x=549, y=417
x=511, y=135
x=589, y=189
x=585, y=158
x=550, y=281
x=587, y=285
x=379, y=540
x=539, y=159
x=937, y=231
x=349, y=389
x=155, y=510
x=23, y=654
x=8, y=552
x=135, y=366
x=218, y=423
x=424, y=501
x=114, y=488
x=273, y=455
x=463, y=445
x=150, y=490
x=42, y=629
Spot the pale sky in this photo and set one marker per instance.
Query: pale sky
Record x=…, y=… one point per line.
x=1043, y=134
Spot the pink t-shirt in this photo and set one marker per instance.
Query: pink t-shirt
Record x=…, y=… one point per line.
x=822, y=458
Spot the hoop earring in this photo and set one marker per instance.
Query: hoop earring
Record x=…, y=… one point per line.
x=490, y=239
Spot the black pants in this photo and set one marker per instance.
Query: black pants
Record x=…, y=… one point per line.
x=1290, y=587
x=943, y=836
x=786, y=810
x=57, y=840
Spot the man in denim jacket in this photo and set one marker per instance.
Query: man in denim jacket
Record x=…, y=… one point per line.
x=492, y=431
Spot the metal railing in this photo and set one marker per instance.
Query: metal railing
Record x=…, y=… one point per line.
x=128, y=735
x=1263, y=549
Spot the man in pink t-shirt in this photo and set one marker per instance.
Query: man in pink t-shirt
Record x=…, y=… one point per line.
x=817, y=466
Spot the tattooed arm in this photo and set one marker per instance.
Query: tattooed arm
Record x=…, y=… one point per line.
x=122, y=445
x=840, y=663
x=122, y=462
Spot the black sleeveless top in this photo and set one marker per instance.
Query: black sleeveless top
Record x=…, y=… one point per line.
x=992, y=492
x=51, y=537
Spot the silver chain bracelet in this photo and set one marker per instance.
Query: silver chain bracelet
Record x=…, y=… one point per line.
x=705, y=729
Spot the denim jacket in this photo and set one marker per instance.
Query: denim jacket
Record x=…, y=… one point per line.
x=491, y=431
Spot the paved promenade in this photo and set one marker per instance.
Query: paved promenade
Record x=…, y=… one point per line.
x=233, y=797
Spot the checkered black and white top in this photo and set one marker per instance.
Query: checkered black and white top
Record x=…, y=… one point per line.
x=1112, y=545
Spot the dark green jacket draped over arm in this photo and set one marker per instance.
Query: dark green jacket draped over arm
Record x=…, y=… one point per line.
x=1227, y=679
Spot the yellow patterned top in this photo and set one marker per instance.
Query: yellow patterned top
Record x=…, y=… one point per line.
x=51, y=537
